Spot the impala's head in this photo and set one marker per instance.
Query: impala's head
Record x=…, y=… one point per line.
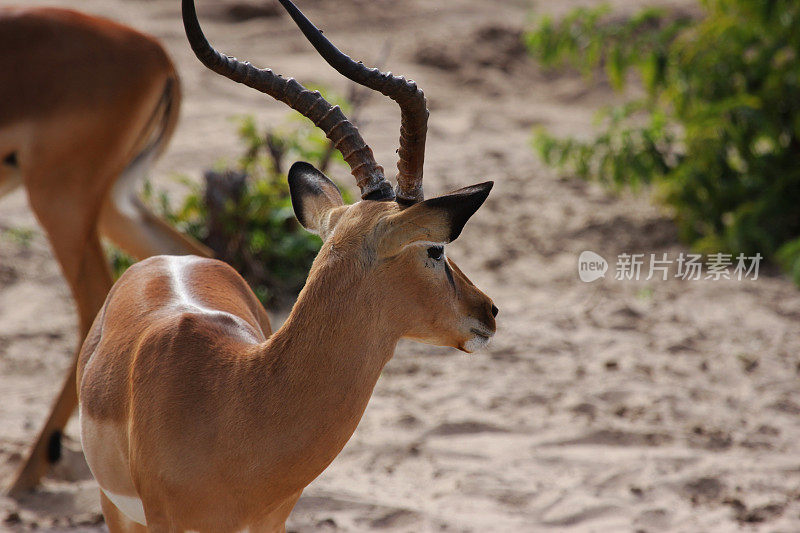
x=394, y=240
x=397, y=254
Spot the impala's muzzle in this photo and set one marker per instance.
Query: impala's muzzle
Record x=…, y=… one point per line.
x=481, y=328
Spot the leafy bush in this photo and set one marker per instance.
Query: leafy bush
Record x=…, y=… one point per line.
x=243, y=210
x=119, y=260
x=717, y=134
x=19, y=235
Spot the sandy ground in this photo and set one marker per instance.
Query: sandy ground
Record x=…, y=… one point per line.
x=611, y=406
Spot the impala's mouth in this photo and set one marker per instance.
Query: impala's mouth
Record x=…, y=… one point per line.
x=485, y=334
x=480, y=339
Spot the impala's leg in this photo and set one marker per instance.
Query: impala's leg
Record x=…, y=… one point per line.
x=135, y=229
x=8, y=182
x=76, y=245
x=116, y=521
x=10, y=177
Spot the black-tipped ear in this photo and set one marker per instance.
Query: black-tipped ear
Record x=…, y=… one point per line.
x=439, y=219
x=313, y=195
x=460, y=205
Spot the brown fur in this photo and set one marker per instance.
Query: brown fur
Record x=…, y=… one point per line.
x=223, y=424
x=80, y=99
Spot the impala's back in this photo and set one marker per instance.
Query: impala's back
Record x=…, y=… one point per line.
x=147, y=358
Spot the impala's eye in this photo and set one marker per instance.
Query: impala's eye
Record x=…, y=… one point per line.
x=436, y=252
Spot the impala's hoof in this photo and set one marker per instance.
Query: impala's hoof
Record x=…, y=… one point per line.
x=54, y=447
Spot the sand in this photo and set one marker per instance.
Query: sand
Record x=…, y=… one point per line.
x=610, y=406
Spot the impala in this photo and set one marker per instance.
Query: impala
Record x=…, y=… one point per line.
x=194, y=414
x=86, y=106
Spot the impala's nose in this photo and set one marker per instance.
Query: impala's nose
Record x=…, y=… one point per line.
x=495, y=310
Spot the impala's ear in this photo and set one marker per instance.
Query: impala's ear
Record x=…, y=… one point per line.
x=439, y=219
x=313, y=197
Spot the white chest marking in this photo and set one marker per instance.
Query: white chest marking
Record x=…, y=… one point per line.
x=130, y=506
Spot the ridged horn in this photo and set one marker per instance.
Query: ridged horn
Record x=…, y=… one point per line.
x=413, y=108
x=329, y=118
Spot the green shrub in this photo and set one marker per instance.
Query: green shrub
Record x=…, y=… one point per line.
x=19, y=235
x=717, y=135
x=118, y=259
x=244, y=213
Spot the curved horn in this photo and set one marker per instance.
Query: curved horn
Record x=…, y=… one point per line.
x=413, y=109
x=329, y=118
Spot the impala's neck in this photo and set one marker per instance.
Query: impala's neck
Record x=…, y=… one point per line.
x=327, y=358
x=336, y=332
